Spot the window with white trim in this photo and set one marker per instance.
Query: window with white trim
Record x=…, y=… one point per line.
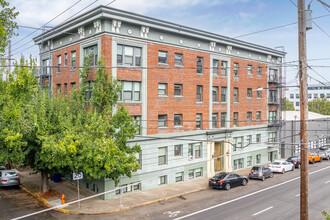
x=129, y=55
x=131, y=91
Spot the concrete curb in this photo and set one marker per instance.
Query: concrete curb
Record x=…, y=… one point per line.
x=44, y=203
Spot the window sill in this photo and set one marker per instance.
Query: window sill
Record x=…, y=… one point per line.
x=200, y=103
x=163, y=64
x=58, y=72
x=163, y=128
x=236, y=77
x=249, y=97
x=199, y=74
x=223, y=76
x=216, y=76
x=215, y=103
x=259, y=76
x=178, y=157
x=72, y=70
x=178, y=66
x=178, y=126
x=162, y=96
x=223, y=102
x=236, y=102
x=250, y=75
x=178, y=96
x=130, y=102
x=259, y=98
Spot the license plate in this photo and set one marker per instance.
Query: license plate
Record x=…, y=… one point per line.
x=12, y=181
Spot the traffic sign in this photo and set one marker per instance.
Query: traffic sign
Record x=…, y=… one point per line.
x=78, y=176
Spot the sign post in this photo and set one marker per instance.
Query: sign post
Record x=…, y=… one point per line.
x=78, y=176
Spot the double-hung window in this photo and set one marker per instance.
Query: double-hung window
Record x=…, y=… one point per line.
x=249, y=93
x=236, y=70
x=138, y=120
x=162, y=89
x=235, y=95
x=73, y=60
x=249, y=116
x=249, y=70
x=59, y=63
x=178, y=120
x=199, y=94
x=223, y=94
x=195, y=150
x=215, y=120
x=199, y=121
x=128, y=55
x=259, y=94
x=223, y=119
x=162, y=57
x=259, y=71
x=162, y=155
x=235, y=118
x=258, y=116
x=258, y=138
x=88, y=91
x=65, y=59
x=45, y=66
x=162, y=121
x=224, y=68
x=91, y=55
x=178, y=59
x=178, y=150
x=215, y=94
x=238, y=143
x=200, y=65
x=215, y=68
x=177, y=89
x=131, y=91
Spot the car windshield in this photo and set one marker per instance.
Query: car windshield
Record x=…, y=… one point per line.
x=220, y=175
x=255, y=168
x=276, y=163
x=321, y=152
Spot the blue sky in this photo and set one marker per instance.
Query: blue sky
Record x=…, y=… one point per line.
x=230, y=18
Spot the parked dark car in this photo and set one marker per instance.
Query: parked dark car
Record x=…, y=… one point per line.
x=295, y=160
x=9, y=178
x=260, y=172
x=2, y=167
x=227, y=180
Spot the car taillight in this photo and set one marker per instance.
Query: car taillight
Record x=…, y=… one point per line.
x=220, y=181
x=209, y=180
x=278, y=167
x=17, y=179
x=4, y=180
x=294, y=162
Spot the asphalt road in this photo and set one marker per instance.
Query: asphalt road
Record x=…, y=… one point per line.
x=273, y=202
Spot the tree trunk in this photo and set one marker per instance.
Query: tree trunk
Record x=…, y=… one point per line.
x=44, y=182
x=9, y=164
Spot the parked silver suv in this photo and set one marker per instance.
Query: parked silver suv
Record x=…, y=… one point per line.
x=325, y=154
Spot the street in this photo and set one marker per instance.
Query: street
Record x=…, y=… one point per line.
x=273, y=198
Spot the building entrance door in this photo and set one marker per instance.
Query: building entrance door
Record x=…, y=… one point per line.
x=218, y=161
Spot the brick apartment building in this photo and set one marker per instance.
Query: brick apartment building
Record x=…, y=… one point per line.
x=196, y=94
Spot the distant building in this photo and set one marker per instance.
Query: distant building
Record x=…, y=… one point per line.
x=315, y=91
x=206, y=103
x=318, y=132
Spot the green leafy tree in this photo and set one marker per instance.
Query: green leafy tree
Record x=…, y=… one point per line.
x=327, y=216
x=287, y=105
x=321, y=106
x=7, y=24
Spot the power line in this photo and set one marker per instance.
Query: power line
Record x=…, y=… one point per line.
x=280, y=26
x=47, y=22
x=318, y=74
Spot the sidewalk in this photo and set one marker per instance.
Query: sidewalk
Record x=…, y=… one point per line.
x=98, y=206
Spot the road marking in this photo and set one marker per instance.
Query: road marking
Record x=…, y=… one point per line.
x=327, y=182
x=248, y=195
x=171, y=214
x=262, y=211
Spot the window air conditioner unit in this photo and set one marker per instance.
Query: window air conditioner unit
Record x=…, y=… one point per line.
x=190, y=158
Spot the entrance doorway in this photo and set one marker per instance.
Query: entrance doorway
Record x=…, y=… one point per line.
x=218, y=153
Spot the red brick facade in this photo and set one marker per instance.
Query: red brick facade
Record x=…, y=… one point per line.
x=187, y=76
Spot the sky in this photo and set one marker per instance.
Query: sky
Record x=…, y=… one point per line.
x=232, y=18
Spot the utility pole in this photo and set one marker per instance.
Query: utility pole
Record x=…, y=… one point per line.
x=9, y=57
x=304, y=180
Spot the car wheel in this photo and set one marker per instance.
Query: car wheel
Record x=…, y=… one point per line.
x=283, y=171
x=292, y=169
x=321, y=159
x=313, y=161
x=227, y=187
x=271, y=175
x=244, y=182
x=263, y=178
x=298, y=165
